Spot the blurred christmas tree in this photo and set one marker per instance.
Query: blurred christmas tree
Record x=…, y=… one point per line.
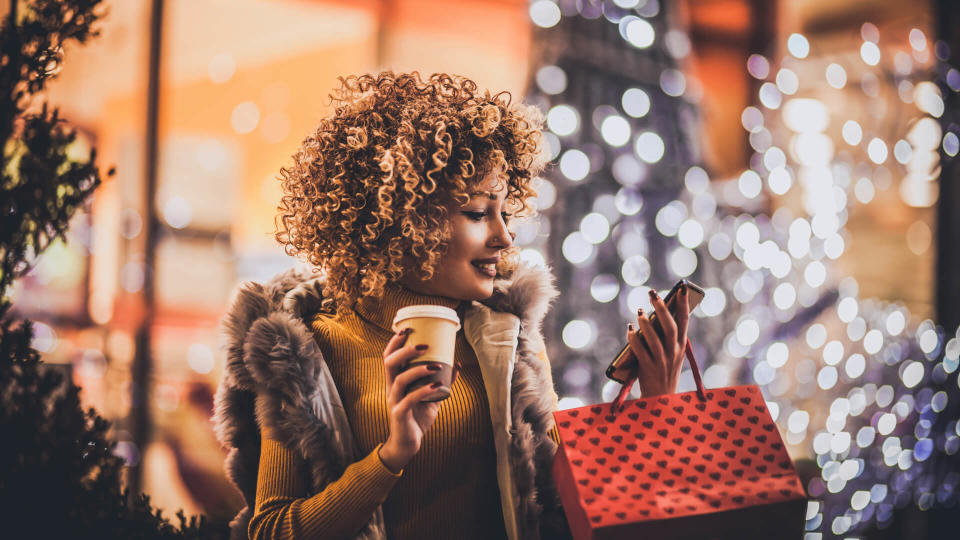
x=620, y=129
x=58, y=474
x=858, y=385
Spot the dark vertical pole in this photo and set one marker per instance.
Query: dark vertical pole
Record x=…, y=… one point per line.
x=383, y=33
x=943, y=521
x=948, y=217
x=140, y=402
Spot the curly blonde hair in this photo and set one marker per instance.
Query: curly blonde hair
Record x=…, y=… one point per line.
x=366, y=197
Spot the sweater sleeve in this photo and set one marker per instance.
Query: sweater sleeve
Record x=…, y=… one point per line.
x=284, y=511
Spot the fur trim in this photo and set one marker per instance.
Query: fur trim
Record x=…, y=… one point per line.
x=238, y=525
x=532, y=450
x=528, y=293
x=285, y=362
x=304, y=299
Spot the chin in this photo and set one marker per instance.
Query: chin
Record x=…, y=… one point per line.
x=488, y=289
x=481, y=292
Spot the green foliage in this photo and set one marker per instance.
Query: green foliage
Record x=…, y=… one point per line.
x=59, y=477
x=40, y=186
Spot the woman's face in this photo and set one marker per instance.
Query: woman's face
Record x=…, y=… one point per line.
x=479, y=233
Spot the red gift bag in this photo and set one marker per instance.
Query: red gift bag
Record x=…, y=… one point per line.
x=705, y=464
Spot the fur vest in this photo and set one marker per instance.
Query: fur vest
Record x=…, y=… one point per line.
x=272, y=353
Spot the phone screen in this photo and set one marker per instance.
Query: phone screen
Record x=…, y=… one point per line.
x=624, y=366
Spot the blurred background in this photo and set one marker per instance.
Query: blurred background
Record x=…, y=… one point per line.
x=795, y=158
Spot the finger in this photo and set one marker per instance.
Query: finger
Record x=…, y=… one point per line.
x=408, y=377
x=414, y=398
x=638, y=346
x=456, y=373
x=667, y=323
x=398, y=340
x=650, y=338
x=397, y=361
x=683, y=315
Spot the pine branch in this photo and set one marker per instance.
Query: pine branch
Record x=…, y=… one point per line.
x=40, y=186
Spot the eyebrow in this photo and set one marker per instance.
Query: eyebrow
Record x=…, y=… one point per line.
x=487, y=193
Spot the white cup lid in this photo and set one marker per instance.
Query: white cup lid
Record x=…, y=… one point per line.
x=423, y=310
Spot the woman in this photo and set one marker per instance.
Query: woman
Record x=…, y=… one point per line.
x=403, y=196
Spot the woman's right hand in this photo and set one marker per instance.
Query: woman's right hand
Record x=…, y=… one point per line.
x=409, y=417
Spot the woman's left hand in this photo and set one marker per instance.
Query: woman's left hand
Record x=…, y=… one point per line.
x=659, y=364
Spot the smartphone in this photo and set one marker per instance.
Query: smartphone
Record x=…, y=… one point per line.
x=624, y=366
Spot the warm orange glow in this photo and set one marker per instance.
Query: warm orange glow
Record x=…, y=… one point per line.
x=239, y=89
x=720, y=71
x=731, y=16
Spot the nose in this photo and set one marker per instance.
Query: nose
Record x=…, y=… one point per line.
x=500, y=235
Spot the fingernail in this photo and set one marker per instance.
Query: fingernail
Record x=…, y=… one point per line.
x=407, y=331
x=436, y=384
x=653, y=294
x=630, y=327
x=422, y=347
x=683, y=287
x=433, y=367
x=639, y=312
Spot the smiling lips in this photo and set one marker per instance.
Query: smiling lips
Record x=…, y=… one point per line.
x=486, y=267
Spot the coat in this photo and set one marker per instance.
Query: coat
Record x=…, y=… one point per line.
x=271, y=352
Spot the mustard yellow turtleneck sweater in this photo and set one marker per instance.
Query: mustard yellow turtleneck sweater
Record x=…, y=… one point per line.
x=448, y=490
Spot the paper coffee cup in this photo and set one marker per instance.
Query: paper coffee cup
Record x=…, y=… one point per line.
x=437, y=327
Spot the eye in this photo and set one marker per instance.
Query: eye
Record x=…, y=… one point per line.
x=477, y=216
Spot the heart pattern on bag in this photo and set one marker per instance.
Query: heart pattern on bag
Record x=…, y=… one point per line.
x=685, y=456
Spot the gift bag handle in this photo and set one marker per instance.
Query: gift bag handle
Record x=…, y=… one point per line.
x=617, y=404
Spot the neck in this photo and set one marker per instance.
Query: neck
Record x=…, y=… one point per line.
x=380, y=311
